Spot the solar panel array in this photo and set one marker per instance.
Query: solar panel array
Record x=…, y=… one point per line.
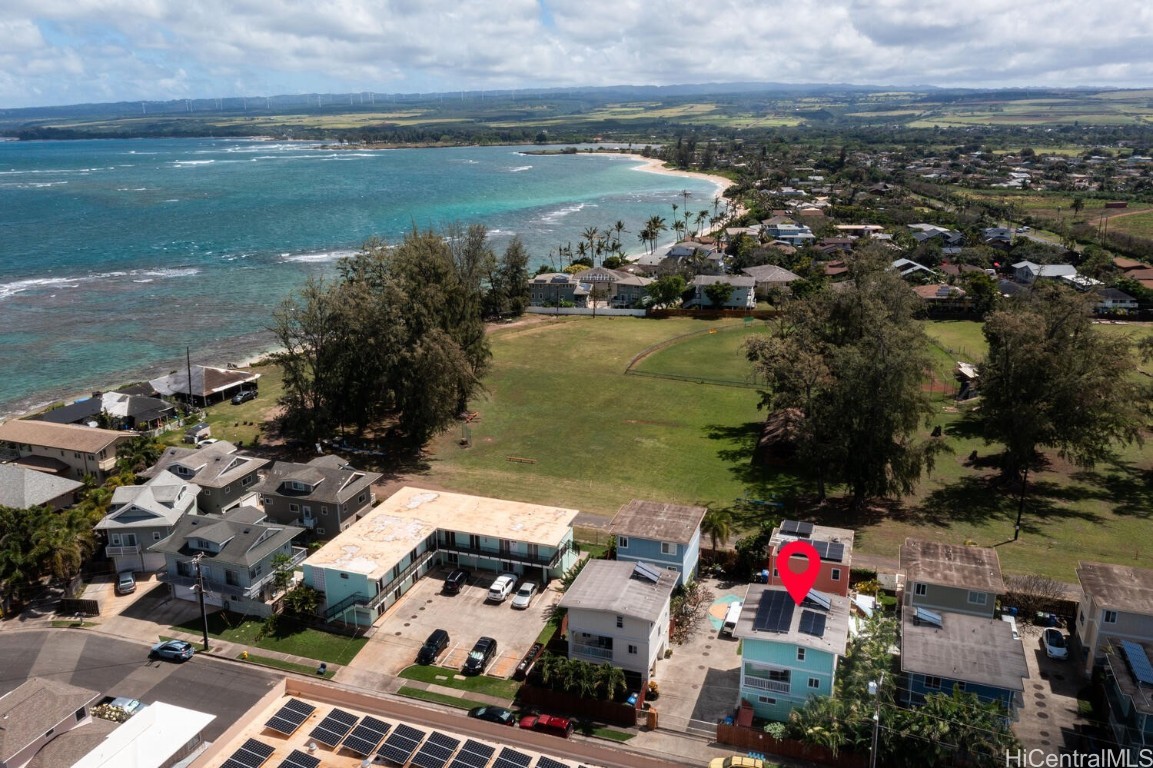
x=251, y=754
x=435, y=752
x=813, y=623
x=795, y=528
x=366, y=737
x=1138, y=662
x=510, y=758
x=398, y=747
x=819, y=599
x=548, y=762
x=334, y=727
x=290, y=716
x=646, y=571
x=473, y=754
x=774, y=612
x=832, y=551
x=300, y=759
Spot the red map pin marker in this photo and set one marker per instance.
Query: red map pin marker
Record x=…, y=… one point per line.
x=798, y=584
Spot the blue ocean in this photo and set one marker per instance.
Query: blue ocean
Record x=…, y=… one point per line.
x=117, y=255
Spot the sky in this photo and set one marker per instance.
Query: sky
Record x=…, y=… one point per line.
x=55, y=52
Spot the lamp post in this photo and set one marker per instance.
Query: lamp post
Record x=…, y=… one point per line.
x=200, y=594
x=875, y=692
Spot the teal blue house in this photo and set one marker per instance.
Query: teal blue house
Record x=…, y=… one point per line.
x=1128, y=682
x=665, y=535
x=789, y=652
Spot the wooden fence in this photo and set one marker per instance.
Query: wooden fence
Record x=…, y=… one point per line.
x=753, y=740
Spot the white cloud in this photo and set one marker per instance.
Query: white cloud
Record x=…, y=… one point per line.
x=61, y=51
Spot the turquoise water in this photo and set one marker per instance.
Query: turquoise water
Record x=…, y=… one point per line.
x=116, y=255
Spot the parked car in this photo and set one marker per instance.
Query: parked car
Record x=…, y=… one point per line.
x=524, y=595
x=125, y=583
x=736, y=761
x=1054, y=643
x=206, y=442
x=480, y=656
x=456, y=581
x=244, y=397
x=432, y=647
x=176, y=650
x=501, y=588
x=557, y=726
x=499, y=715
x=126, y=705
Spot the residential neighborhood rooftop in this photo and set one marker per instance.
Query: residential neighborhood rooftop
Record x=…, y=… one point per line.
x=35, y=707
x=238, y=541
x=1118, y=587
x=951, y=565
x=615, y=586
x=793, y=530
x=974, y=649
x=658, y=521
x=376, y=542
x=21, y=487
x=70, y=437
x=770, y=613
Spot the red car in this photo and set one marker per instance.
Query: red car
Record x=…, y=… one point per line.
x=557, y=726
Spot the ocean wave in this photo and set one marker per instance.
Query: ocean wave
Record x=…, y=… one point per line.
x=7, y=290
x=193, y=162
x=316, y=258
x=552, y=217
x=31, y=184
x=520, y=168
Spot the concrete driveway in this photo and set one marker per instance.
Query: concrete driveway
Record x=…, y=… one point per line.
x=1048, y=719
x=399, y=634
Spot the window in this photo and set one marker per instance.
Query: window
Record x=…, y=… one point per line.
x=319, y=531
x=360, y=498
x=344, y=575
x=978, y=598
x=780, y=675
x=76, y=455
x=668, y=548
x=766, y=700
x=622, y=542
x=620, y=621
x=932, y=682
x=227, y=488
x=920, y=589
x=633, y=650
x=324, y=511
x=116, y=539
x=246, y=481
x=156, y=535
x=814, y=682
x=1110, y=617
x=836, y=574
x=959, y=686
x=800, y=654
x=293, y=507
x=776, y=574
x=231, y=578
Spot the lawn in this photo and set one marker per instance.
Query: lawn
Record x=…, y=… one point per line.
x=714, y=353
x=451, y=678
x=308, y=643
x=241, y=424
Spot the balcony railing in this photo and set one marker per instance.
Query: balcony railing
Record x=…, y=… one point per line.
x=388, y=588
x=445, y=545
x=252, y=591
x=592, y=652
x=764, y=684
x=121, y=551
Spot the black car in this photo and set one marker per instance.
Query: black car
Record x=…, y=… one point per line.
x=432, y=647
x=479, y=657
x=456, y=581
x=499, y=715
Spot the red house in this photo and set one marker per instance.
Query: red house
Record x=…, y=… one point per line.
x=834, y=545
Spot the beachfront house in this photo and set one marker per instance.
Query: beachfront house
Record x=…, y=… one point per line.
x=202, y=385
x=789, y=652
x=618, y=612
x=834, y=548
x=947, y=577
x=665, y=535
x=553, y=289
x=367, y=568
x=226, y=477
x=67, y=450
x=324, y=496
x=121, y=410
x=142, y=515
x=235, y=557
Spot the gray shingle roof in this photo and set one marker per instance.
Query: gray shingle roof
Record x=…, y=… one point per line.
x=331, y=484
x=213, y=466
x=1118, y=587
x=35, y=707
x=244, y=543
x=21, y=488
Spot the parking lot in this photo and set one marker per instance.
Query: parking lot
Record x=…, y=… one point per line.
x=465, y=616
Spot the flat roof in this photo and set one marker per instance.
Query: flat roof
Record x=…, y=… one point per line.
x=950, y=565
x=616, y=587
x=834, y=633
x=1141, y=695
x=842, y=536
x=658, y=521
x=148, y=738
x=971, y=649
x=394, y=527
x=1118, y=587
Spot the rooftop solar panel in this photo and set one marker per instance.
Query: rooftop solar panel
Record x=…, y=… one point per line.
x=930, y=618
x=548, y=762
x=1138, y=662
x=796, y=528
x=473, y=754
x=646, y=571
x=300, y=759
x=250, y=754
x=436, y=751
x=819, y=599
x=289, y=717
x=366, y=737
x=334, y=727
x=813, y=623
x=510, y=758
x=399, y=746
x=774, y=612
x=832, y=551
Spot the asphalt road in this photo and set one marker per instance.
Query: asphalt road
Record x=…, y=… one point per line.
x=116, y=667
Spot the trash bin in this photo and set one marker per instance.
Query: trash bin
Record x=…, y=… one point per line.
x=652, y=719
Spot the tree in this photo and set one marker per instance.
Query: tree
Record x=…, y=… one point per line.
x=719, y=293
x=1051, y=380
x=666, y=290
x=853, y=362
x=281, y=571
x=302, y=600
x=982, y=289
x=138, y=454
x=717, y=524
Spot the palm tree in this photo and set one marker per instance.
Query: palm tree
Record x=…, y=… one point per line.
x=717, y=524
x=655, y=225
x=702, y=216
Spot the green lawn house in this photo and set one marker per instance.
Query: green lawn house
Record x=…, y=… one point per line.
x=368, y=567
x=789, y=652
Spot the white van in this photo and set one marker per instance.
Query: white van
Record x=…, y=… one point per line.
x=731, y=618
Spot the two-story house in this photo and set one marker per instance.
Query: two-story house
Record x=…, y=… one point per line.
x=142, y=515
x=666, y=535
x=942, y=652
x=834, y=548
x=789, y=652
x=948, y=577
x=787, y=231
x=325, y=496
x=226, y=477
x=1128, y=682
x=742, y=296
x=1116, y=604
x=68, y=450
x=23, y=488
x=36, y=712
x=553, y=288
x=233, y=557
x=618, y=612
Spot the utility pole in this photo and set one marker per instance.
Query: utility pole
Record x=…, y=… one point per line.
x=200, y=593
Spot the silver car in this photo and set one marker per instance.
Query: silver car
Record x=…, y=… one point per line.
x=523, y=597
